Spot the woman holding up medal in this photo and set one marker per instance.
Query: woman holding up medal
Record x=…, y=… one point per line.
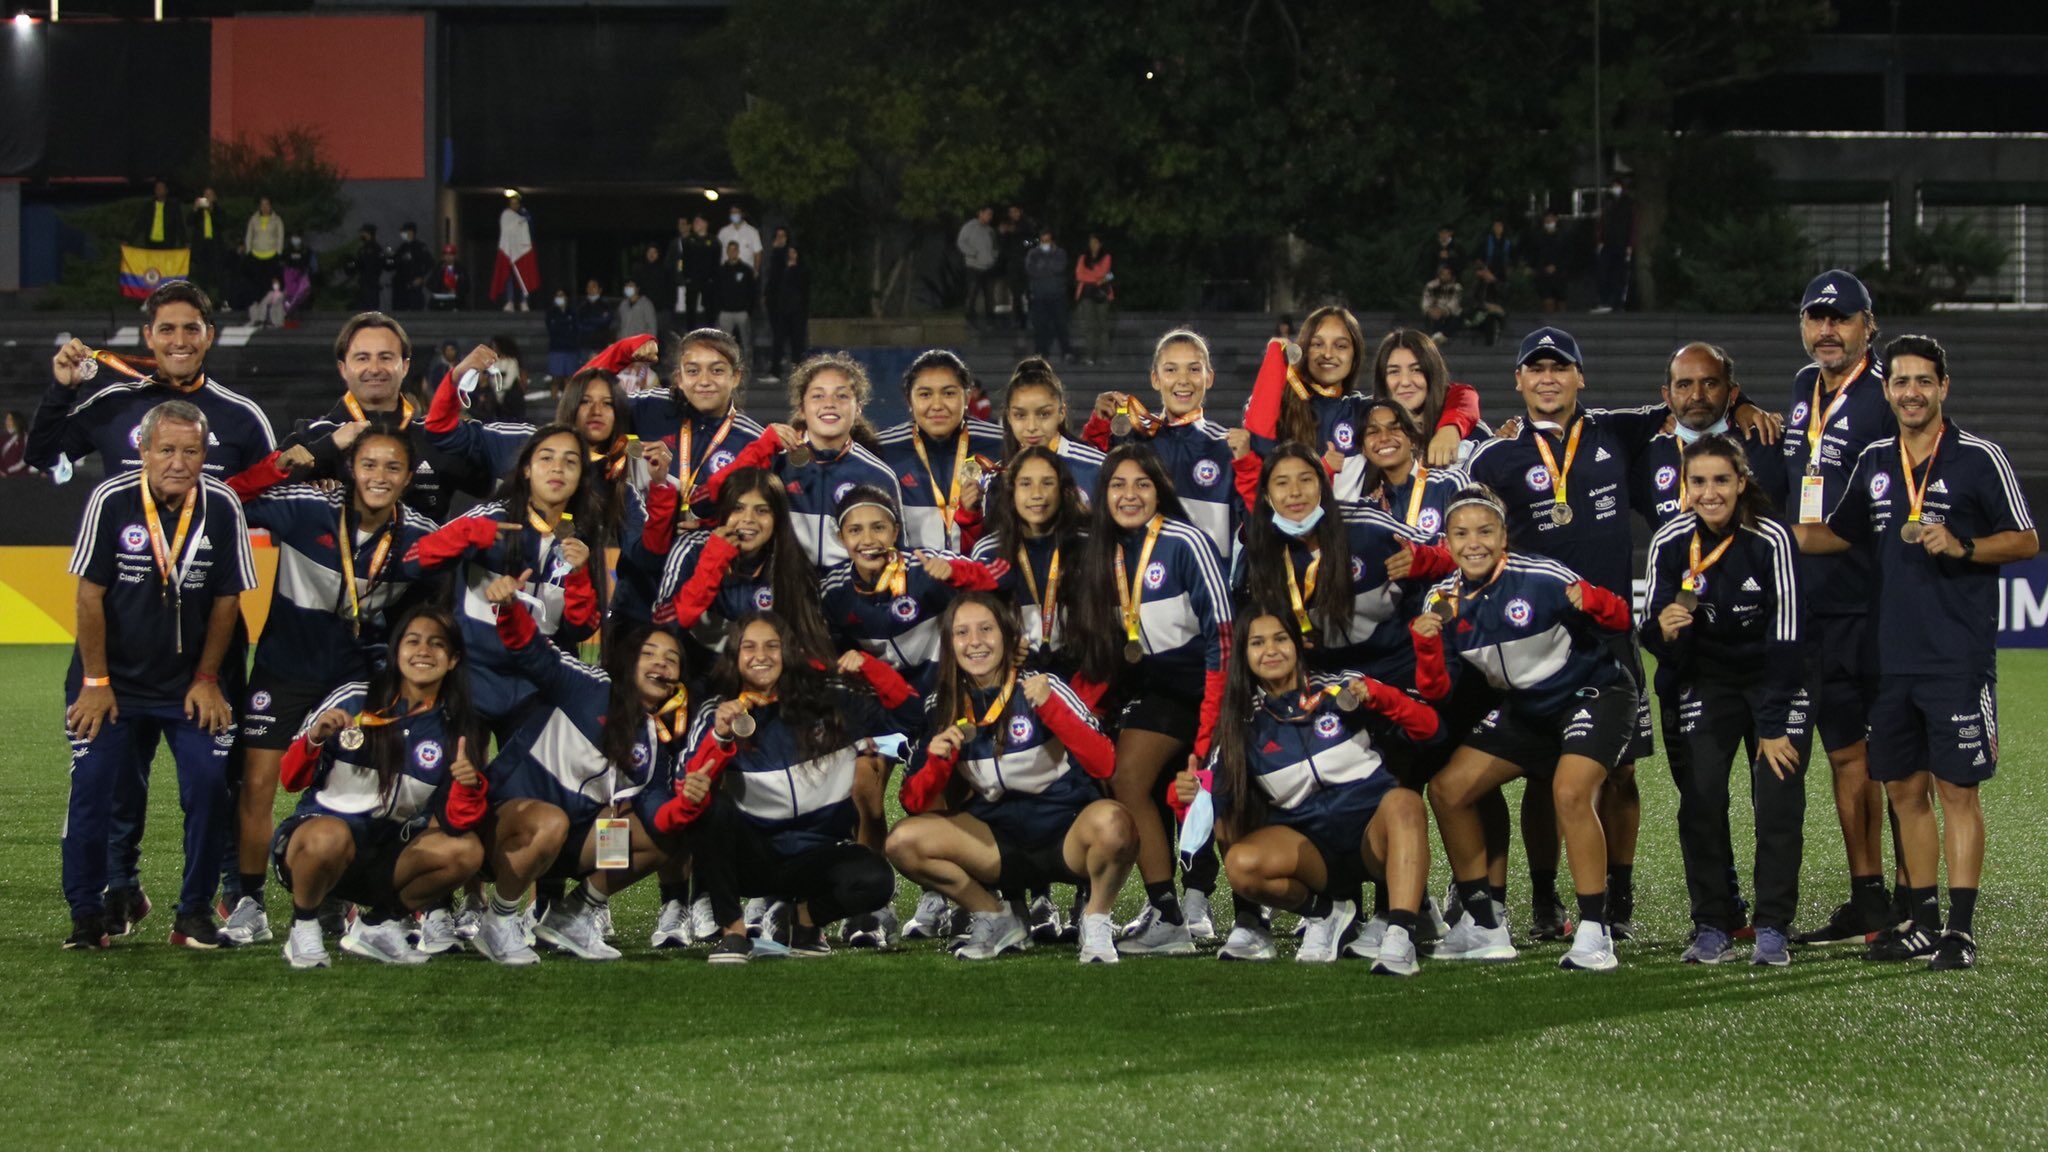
x=392, y=800
x=785, y=732
x=1026, y=753
x=1307, y=394
x=1396, y=480
x=1723, y=620
x=1538, y=633
x=1195, y=450
x=940, y=454
x=885, y=602
x=1038, y=525
x=1152, y=620
x=328, y=615
x=1304, y=799
x=577, y=785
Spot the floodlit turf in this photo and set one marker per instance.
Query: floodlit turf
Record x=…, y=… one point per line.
x=152, y=1045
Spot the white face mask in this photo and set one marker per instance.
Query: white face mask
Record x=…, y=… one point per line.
x=631, y=292
x=592, y=297
x=1046, y=245
x=735, y=217
x=1550, y=225
x=1616, y=189
x=561, y=301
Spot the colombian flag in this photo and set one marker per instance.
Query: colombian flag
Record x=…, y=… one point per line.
x=142, y=269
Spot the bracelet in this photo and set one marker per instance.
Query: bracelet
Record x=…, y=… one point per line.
x=1969, y=549
x=205, y=678
x=99, y=681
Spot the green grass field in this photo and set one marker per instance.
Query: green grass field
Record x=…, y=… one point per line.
x=148, y=1044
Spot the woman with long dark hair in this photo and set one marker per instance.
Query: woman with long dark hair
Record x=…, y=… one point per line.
x=768, y=786
x=1035, y=416
x=1408, y=369
x=940, y=454
x=1152, y=623
x=1305, y=800
x=1396, y=480
x=1013, y=742
x=1038, y=525
x=1723, y=618
x=1313, y=403
x=393, y=799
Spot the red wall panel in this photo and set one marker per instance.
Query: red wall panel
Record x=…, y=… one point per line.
x=360, y=81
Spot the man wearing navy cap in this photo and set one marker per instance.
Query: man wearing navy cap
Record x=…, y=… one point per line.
x=1937, y=510
x=1838, y=408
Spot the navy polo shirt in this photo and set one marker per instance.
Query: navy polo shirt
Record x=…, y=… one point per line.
x=1840, y=584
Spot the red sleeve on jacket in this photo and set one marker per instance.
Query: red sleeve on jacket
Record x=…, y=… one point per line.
x=1418, y=721
x=1432, y=679
x=1461, y=409
x=615, y=358
x=1606, y=609
x=759, y=454
x=1085, y=743
x=579, y=598
x=1244, y=473
x=1431, y=561
x=1262, y=411
x=296, y=770
x=709, y=761
x=926, y=784
x=658, y=534
x=250, y=482
x=466, y=805
x=1212, y=705
x=1090, y=691
x=694, y=598
x=975, y=576
x=889, y=685
x=516, y=628
x=973, y=525
x=452, y=541
x=446, y=410
x=1096, y=431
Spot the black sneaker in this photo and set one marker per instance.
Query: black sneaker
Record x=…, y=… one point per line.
x=334, y=916
x=1851, y=923
x=807, y=943
x=125, y=908
x=1956, y=952
x=1070, y=929
x=1548, y=920
x=733, y=948
x=195, y=930
x=1905, y=942
x=863, y=932
x=88, y=934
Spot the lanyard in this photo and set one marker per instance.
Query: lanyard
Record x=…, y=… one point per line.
x=1303, y=386
x=1459, y=595
x=894, y=577
x=1137, y=418
x=1915, y=497
x=678, y=706
x=395, y=714
x=564, y=528
x=995, y=710
x=1695, y=569
x=1048, y=605
x=1129, y=590
x=1820, y=419
x=136, y=369
x=614, y=457
x=345, y=544
x=355, y=409
x=1417, y=474
x=687, y=466
x=168, y=567
x=1571, y=451
x=1298, y=594
x=951, y=500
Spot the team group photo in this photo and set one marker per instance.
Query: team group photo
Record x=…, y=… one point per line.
x=770, y=672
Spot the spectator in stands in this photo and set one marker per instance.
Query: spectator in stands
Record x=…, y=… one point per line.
x=636, y=312
x=367, y=265
x=563, y=346
x=450, y=354
x=1443, y=250
x=1094, y=290
x=263, y=236
x=159, y=224
x=1486, y=306
x=209, y=247
x=1497, y=250
x=976, y=242
x=774, y=262
x=411, y=264
x=657, y=283
x=268, y=310
x=739, y=231
x=695, y=255
x=1549, y=256
x=733, y=296
x=516, y=272
x=1615, y=246
x=503, y=396
x=1045, y=270
x=789, y=313
x=13, y=445
x=1016, y=236
x=448, y=288
x=1283, y=328
x=594, y=318
x=1442, y=307
x=301, y=265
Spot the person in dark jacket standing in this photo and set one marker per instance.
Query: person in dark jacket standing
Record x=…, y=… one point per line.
x=656, y=279
x=1045, y=270
x=1616, y=247
x=411, y=264
x=563, y=347
x=694, y=256
x=789, y=311
x=594, y=319
x=733, y=295
x=367, y=266
x=1549, y=255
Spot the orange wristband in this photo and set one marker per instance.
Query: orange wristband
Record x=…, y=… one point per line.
x=99, y=681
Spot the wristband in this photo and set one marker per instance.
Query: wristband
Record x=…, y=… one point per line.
x=99, y=681
x=1969, y=549
x=205, y=678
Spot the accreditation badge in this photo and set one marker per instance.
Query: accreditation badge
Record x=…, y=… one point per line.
x=614, y=842
x=1812, y=493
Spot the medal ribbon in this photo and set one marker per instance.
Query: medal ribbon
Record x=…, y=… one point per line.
x=167, y=568
x=345, y=544
x=1915, y=497
x=1416, y=476
x=394, y=714
x=686, y=465
x=678, y=706
x=1048, y=604
x=1298, y=594
x=136, y=369
x=355, y=409
x=1820, y=419
x=1459, y=595
x=1571, y=451
x=1302, y=386
x=894, y=577
x=995, y=710
x=613, y=458
x=951, y=500
x=1129, y=590
x=1696, y=569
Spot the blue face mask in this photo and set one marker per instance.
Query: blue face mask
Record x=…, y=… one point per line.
x=1688, y=436
x=1301, y=527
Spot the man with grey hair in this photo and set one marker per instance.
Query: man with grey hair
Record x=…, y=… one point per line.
x=162, y=560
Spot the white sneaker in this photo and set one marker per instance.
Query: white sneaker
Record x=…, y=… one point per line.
x=303, y=947
x=672, y=929
x=1158, y=938
x=752, y=913
x=604, y=922
x=468, y=922
x=1139, y=924
x=891, y=925
x=1592, y=950
x=929, y=920
x=385, y=943
x=1047, y=925
x=1366, y=945
x=1468, y=941
x=1248, y=943
x=437, y=932
x=992, y=934
x=1319, y=943
x=704, y=926
x=502, y=940
x=1098, y=938
x=527, y=920
x=1396, y=955
x=573, y=926
x=247, y=924
x=1194, y=906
